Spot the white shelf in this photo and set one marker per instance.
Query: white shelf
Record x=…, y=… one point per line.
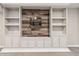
x=13, y=32
x=58, y=17
x=11, y=18
x=59, y=24
x=11, y=24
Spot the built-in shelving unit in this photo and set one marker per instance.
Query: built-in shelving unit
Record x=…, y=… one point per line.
x=11, y=18
x=59, y=19
x=41, y=23
x=58, y=24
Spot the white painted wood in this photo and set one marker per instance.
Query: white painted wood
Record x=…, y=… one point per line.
x=11, y=17
x=50, y=15
x=73, y=45
x=59, y=27
x=51, y=39
x=11, y=39
x=12, y=12
x=11, y=20
x=1, y=27
x=73, y=26
x=27, y=42
x=59, y=24
x=56, y=41
x=47, y=43
x=58, y=17
x=35, y=50
x=32, y=42
x=59, y=21
x=24, y=42
x=20, y=19
x=15, y=24
x=63, y=41
x=64, y=38
x=15, y=40
x=39, y=43
x=58, y=12
x=8, y=42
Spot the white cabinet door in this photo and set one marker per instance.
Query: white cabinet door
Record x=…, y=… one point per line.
x=48, y=43
x=39, y=43
x=63, y=41
x=56, y=42
x=28, y=42
x=24, y=42
x=59, y=40
x=15, y=42
x=8, y=41
x=31, y=43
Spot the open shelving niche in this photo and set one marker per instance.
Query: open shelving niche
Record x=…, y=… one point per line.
x=27, y=28
x=11, y=20
x=58, y=26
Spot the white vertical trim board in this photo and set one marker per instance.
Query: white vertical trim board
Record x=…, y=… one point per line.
x=73, y=45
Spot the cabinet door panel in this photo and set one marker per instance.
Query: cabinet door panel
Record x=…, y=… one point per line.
x=31, y=43
x=24, y=42
x=47, y=43
x=63, y=42
x=15, y=42
x=56, y=43
x=39, y=43
x=8, y=42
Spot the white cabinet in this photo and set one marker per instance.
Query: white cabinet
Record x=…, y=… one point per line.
x=56, y=42
x=12, y=29
x=63, y=41
x=48, y=43
x=39, y=43
x=11, y=26
x=31, y=43
x=8, y=42
x=59, y=27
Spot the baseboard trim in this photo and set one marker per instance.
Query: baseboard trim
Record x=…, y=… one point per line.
x=35, y=50
x=73, y=45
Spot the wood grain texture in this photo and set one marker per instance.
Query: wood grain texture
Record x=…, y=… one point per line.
x=43, y=16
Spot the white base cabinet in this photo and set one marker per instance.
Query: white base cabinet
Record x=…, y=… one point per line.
x=12, y=29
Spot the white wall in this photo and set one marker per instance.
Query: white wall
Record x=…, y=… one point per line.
x=73, y=28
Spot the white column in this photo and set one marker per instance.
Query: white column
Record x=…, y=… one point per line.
x=1, y=27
